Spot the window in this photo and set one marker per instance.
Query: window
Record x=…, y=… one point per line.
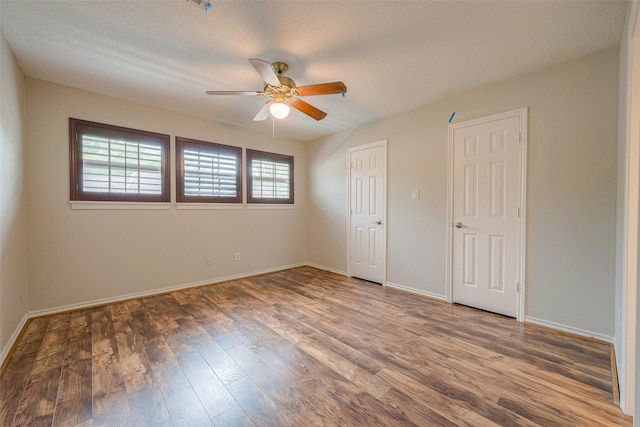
x=270, y=177
x=208, y=172
x=111, y=163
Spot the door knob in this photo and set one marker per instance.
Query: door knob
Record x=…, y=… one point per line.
x=378, y=222
x=459, y=225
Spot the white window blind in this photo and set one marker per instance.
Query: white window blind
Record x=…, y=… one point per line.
x=270, y=179
x=117, y=165
x=208, y=172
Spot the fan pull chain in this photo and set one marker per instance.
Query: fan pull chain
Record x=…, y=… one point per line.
x=273, y=127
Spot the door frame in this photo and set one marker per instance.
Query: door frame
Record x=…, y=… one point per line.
x=521, y=113
x=350, y=151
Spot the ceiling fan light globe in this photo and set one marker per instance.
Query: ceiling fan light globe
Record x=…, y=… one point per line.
x=279, y=110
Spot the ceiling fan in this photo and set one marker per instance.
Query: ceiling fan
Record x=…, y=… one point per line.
x=284, y=92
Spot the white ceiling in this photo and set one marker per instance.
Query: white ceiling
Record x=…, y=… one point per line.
x=392, y=55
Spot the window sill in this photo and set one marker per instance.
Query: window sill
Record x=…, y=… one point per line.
x=76, y=204
x=196, y=206
x=87, y=205
x=257, y=206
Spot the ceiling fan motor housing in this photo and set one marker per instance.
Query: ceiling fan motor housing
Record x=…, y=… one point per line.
x=287, y=87
x=287, y=82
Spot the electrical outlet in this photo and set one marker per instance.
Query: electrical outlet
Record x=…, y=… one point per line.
x=208, y=261
x=415, y=195
x=237, y=256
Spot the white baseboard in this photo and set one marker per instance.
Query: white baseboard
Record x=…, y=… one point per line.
x=103, y=301
x=416, y=291
x=322, y=267
x=93, y=303
x=12, y=340
x=569, y=329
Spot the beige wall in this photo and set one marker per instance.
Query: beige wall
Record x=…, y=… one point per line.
x=13, y=231
x=79, y=256
x=570, y=201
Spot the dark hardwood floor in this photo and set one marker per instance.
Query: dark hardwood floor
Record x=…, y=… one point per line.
x=301, y=347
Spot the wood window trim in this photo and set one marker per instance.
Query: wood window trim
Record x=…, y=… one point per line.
x=76, y=165
x=256, y=154
x=181, y=143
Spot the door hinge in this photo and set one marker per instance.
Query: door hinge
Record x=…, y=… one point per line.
x=518, y=212
x=518, y=287
x=520, y=137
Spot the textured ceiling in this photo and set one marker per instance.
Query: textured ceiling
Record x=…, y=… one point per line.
x=393, y=56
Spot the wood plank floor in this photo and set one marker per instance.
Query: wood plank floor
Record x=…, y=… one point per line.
x=301, y=347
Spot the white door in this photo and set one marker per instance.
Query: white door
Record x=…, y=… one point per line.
x=487, y=185
x=367, y=201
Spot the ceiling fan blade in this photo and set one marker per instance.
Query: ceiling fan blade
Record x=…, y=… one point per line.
x=322, y=89
x=232, y=92
x=308, y=109
x=262, y=114
x=265, y=70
